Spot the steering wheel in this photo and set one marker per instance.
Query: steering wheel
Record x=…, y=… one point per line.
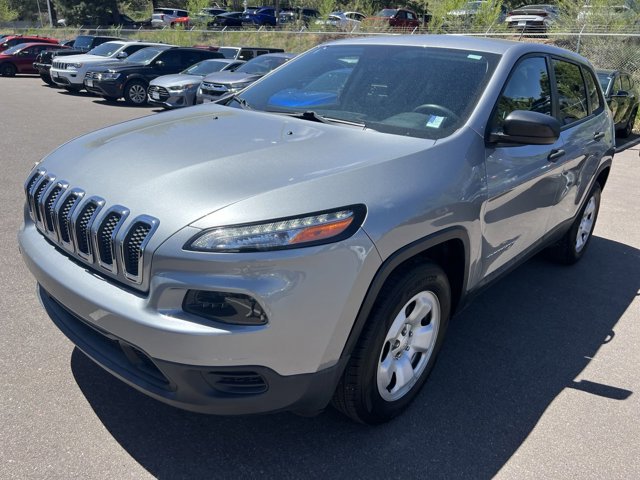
x=432, y=107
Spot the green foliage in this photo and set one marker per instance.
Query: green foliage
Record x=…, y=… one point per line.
x=7, y=13
x=87, y=11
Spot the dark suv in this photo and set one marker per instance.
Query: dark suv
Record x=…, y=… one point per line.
x=130, y=78
x=82, y=44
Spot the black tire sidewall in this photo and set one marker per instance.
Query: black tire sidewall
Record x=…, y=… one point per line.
x=127, y=88
x=425, y=278
x=596, y=191
x=8, y=69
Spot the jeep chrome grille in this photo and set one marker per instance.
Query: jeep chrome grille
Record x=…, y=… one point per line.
x=80, y=227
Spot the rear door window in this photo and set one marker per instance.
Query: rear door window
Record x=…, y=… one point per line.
x=592, y=90
x=572, y=94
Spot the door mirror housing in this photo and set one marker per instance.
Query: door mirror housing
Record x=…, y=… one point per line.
x=159, y=63
x=524, y=127
x=122, y=55
x=621, y=93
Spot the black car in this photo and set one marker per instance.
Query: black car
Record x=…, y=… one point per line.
x=229, y=19
x=82, y=44
x=130, y=78
x=621, y=93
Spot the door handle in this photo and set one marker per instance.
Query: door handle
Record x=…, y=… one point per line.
x=598, y=136
x=555, y=155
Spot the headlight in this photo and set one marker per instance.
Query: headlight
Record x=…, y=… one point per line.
x=239, y=86
x=75, y=66
x=293, y=232
x=178, y=88
x=108, y=76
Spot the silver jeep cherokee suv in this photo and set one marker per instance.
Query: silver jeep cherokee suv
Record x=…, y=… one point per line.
x=303, y=244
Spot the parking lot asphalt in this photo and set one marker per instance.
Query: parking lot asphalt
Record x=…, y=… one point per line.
x=538, y=378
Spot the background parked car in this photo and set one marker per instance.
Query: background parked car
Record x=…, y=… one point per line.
x=532, y=18
x=130, y=78
x=247, y=53
x=164, y=17
x=20, y=58
x=302, y=16
x=217, y=84
x=179, y=90
x=228, y=19
x=348, y=21
x=11, y=40
x=81, y=44
x=395, y=18
x=259, y=16
x=621, y=93
x=69, y=72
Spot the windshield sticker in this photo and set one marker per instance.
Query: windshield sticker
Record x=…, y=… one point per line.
x=434, y=121
x=474, y=57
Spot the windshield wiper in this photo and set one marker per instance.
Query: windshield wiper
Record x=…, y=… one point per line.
x=315, y=117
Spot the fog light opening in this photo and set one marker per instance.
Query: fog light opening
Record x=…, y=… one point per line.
x=231, y=308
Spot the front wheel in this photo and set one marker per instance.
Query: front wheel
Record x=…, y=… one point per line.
x=398, y=346
x=135, y=93
x=8, y=70
x=626, y=132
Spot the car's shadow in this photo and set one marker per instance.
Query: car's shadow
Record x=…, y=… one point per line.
x=506, y=358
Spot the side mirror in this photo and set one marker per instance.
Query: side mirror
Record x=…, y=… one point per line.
x=159, y=63
x=122, y=55
x=524, y=127
x=621, y=93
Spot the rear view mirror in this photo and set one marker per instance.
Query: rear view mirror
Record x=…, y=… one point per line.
x=525, y=127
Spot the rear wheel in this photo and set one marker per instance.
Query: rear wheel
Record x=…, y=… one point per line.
x=574, y=243
x=8, y=70
x=398, y=346
x=47, y=79
x=629, y=126
x=135, y=93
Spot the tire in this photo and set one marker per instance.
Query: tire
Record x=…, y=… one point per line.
x=398, y=346
x=47, y=79
x=8, y=70
x=135, y=93
x=574, y=243
x=72, y=89
x=626, y=131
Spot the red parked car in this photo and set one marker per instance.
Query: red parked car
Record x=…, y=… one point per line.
x=11, y=40
x=20, y=58
x=396, y=18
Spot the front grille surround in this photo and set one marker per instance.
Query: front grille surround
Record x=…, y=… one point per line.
x=104, y=234
x=162, y=92
x=83, y=226
x=66, y=206
x=81, y=223
x=133, y=268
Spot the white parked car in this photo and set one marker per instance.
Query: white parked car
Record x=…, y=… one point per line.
x=532, y=18
x=164, y=17
x=68, y=72
x=348, y=21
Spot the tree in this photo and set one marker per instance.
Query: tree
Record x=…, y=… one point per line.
x=7, y=14
x=89, y=11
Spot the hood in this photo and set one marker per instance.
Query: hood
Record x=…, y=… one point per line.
x=182, y=165
x=176, y=80
x=117, y=66
x=86, y=58
x=229, y=78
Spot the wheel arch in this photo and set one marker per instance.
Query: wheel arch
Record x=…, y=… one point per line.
x=449, y=249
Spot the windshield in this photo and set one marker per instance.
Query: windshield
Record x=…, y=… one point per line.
x=205, y=67
x=604, y=79
x=13, y=50
x=228, y=52
x=261, y=65
x=387, y=12
x=107, y=49
x=403, y=90
x=145, y=56
x=83, y=42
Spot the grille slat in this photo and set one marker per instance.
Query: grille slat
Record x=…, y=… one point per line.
x=64, y=217
x=82, y=227
x=48, y=208
x=37, y=195
x=133, y=247
x=105, y=237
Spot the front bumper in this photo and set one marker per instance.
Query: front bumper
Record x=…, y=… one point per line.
x=67, y=78
x=184, y=98
x=42, y=68
x=311, y=297
x=105, y=88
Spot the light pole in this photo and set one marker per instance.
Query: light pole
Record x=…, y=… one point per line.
x=50, y=17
